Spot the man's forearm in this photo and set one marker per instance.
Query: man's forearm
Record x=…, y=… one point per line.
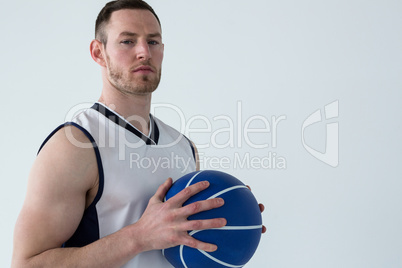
x=111, y=251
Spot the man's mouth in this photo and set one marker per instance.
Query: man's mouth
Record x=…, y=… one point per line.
x=143, y=69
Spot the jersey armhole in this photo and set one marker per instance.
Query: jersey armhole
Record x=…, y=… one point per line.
x=97, y=154
x=192, y=148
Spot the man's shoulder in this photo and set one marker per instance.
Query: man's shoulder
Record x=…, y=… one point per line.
x=70, y=139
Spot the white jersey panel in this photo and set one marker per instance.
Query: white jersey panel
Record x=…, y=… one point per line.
x=133, y=171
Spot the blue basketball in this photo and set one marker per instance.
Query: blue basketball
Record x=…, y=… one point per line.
x=237, y=241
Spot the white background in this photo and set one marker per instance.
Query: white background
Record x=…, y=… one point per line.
x=274, y=57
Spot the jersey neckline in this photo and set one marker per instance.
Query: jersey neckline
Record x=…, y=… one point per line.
x=153, y=137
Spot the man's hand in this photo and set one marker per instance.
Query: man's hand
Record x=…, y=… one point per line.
x=262, y=208
x=165, y=223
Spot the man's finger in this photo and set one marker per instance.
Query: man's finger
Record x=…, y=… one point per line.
x=200, y=206
x=262, y=207
x=194, y=243
x=188, y=192
x=162, y=190
x=204, y=224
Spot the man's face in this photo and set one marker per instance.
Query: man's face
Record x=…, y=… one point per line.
x=134, y=51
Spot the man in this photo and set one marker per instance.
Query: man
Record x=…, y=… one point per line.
x=87, y=205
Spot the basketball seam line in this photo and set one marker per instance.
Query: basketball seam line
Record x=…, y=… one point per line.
x=181, y=257
x=227, y=190
x=230, y=228
x=191, y=180
x=219, y=261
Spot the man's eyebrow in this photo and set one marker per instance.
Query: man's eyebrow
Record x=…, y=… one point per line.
x=153, y=35
x=131, y=34
x=128, y=34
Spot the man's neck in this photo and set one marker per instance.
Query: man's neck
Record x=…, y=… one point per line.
x=134, y=108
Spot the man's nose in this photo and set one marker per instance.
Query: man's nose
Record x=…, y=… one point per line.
x=143, y=51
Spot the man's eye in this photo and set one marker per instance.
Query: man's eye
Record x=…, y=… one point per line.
x=153, y=42
x=126, y=42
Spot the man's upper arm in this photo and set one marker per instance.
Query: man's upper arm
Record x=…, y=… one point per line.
x=56, y=199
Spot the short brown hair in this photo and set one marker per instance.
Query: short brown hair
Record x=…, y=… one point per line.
x=106, y=12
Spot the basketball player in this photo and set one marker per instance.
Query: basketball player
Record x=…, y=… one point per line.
x=89, y=202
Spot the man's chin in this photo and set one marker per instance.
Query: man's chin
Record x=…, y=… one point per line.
x=141, y=90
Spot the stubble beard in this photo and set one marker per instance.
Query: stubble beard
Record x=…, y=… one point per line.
x=128, y=84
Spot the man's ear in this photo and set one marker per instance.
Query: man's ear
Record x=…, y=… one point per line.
x=97, y=54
